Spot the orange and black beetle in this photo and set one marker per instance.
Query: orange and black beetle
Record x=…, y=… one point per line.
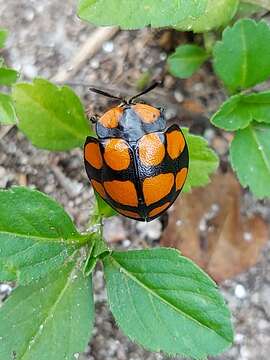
x=137, y=165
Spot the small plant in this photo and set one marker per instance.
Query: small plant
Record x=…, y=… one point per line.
x=241, y=60
x=153, y=294
x=159, y=298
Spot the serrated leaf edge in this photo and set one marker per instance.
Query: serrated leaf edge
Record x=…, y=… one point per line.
x=149, y=290
x=22, y=85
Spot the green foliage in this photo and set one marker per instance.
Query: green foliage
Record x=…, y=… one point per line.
x=250, y=157
x=134, y=14
x=186, y=60
x=3, y=37
x=232, y=115
x=48, y=319
x=246, y=10
x=217, y=14
x=102, y=208
x=51, y=117
x=198, y=16
x=97, y=250
x=239, y=110
x=202, y=161
x=242, y=58
x=264, y=4
x=50, y=314
x=7, y=112
x=166, y=303
x=159, y=298
x=36, y=235
x=8, y=76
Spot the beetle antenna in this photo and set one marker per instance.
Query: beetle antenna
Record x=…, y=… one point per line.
x=149, y=88
x=104, y=93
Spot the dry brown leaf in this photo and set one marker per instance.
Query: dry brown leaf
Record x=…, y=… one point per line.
x=207, y=227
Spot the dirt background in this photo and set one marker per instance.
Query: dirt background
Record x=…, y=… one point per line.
x=44, y=38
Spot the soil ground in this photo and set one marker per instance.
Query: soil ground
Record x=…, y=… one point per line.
x=44, y=37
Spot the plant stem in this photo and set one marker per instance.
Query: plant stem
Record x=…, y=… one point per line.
x=209, y=39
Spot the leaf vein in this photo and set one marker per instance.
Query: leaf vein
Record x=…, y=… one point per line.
x=172, y=306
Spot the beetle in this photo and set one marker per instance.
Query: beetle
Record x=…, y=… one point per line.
x=137, y=164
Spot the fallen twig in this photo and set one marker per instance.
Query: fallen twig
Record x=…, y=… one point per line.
x=92, y=45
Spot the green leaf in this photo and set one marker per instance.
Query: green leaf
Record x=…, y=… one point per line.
x=49, y=319
x=134, y=14
x=202, y=161
x=7, y=111
x=232, y=115
x=8, y=76
x=259, y=106
x=242, y=58
x=217, y=14
x=51, y=117
x=3, y=37
x=186, y=60
x=102, y=208
x=165, y=302
x=36, y=235
x=247, y=10
x=259, y=3
x=90, y=261
x=250, y=158
x=96, y=251
x=239, y=110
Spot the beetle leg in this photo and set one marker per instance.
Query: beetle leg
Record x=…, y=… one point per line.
x=94, y=119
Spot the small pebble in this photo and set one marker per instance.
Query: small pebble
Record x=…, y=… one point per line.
x=244, y=353
x=247, y=236
x=263, y=324
x=30, y=71
x=126, y=243
x=209, y=134
x=94, y=64
x=108, y=46
x=220, y=145
x=169, y=81
x=240, y=291
x=29, y=15
x=163, y=56
x=179, y=97
x=198, y=87
x=239, y=338
x=170, y=113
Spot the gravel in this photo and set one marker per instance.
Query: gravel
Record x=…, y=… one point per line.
x=44, y=36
